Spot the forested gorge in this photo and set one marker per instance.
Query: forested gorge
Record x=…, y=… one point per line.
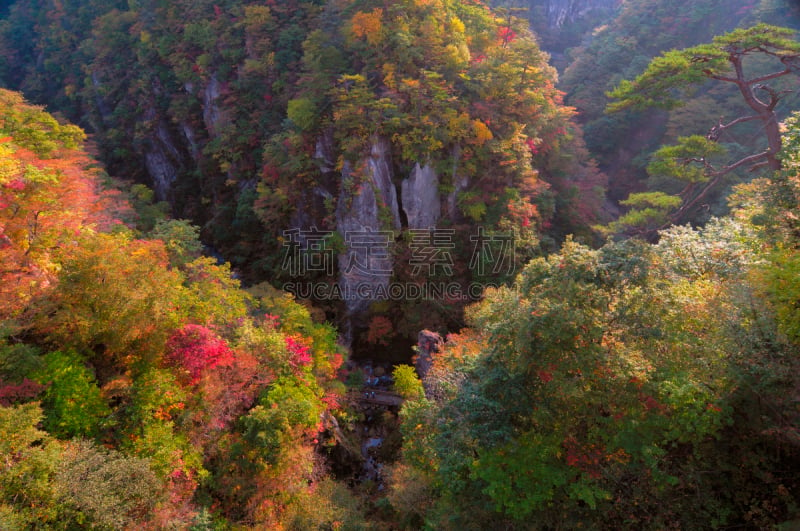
x=167, y=169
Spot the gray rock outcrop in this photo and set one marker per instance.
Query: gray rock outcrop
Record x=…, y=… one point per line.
x=213, y=116
x=161, y=156
x=428, y=344
x=367, y=213
x=420, y=198
x=561, y=12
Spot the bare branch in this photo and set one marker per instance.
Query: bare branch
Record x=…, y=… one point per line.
x=716, y=176
x=676, y=216
x=767, y=77
x=738, y=121
x=750, y=159
x=767, y=51
x=721, y=78
x=687, y=190
x=792, y=62
x=774, y=96
x=758, y=165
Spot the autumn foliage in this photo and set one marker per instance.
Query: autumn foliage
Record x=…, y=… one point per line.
x=624, y=385
x=299, y=353
x=367, y=25
x=195, y=349
x=49, y=196
x=114, y=335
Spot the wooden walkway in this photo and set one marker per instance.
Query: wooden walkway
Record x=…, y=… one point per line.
x=376, y=397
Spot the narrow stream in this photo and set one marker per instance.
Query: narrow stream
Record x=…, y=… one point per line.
x=371, y=438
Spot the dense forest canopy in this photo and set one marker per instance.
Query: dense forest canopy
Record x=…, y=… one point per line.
x=153, y=374
x=252, y=120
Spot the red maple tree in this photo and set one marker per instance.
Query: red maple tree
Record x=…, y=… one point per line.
x=195, y=348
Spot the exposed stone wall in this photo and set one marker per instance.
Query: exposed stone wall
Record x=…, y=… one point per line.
x=367, y=204
x=561, y=12
x=161, y=156
x=213, y=115
x=420, y=198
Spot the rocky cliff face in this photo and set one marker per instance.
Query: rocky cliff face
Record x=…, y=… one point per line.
x=563, y=24
x=166, y=151
x=561, y=12
x=372, y=205
x=213, y=115
x=161, y=156
x=428, y=345
x=420, y=198
x=367, y=212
